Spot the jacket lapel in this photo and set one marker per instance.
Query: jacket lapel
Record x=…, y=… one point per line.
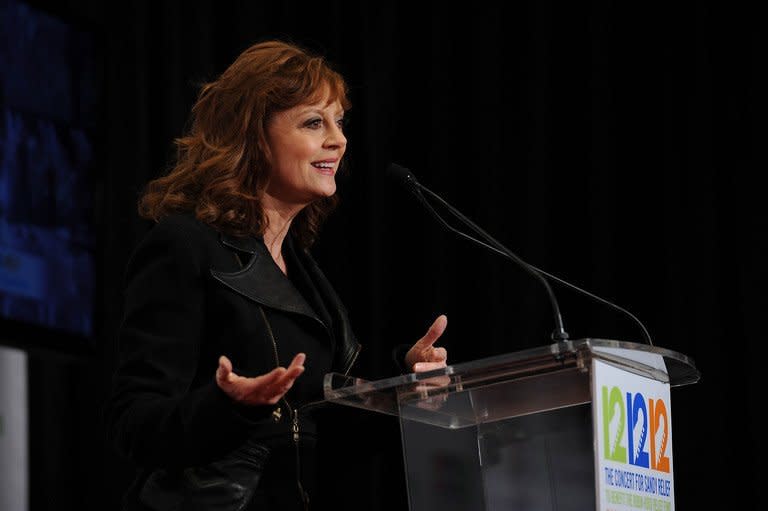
x=261, y=280
x=337, y=312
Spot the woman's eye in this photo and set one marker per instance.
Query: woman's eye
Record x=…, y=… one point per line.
x=314, y=123
x=341, y=123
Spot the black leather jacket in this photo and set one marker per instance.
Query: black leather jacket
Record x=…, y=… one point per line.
x=193, y=294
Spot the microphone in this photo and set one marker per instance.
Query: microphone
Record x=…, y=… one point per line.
x=405, y=178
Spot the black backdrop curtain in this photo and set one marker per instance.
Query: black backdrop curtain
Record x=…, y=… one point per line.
x=616, y=145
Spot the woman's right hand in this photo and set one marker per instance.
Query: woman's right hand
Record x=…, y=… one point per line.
x=266, y=389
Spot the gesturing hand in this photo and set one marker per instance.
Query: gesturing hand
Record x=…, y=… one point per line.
x=423, y=356
x=266, y=389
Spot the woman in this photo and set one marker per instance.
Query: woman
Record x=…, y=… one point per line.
x=229, y=324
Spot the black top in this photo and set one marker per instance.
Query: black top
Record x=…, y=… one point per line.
x=304, y=334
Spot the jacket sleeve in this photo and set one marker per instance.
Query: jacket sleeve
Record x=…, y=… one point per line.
x=153, y=415
x=398, y=358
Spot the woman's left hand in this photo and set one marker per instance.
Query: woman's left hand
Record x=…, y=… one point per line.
x=423, y=355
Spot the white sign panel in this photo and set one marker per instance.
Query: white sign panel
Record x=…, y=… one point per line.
x=633, y=441
x=13, y=430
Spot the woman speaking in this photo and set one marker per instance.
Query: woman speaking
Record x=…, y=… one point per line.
x=229, y=324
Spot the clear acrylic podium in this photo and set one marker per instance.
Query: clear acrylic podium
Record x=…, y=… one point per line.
x=510, y=432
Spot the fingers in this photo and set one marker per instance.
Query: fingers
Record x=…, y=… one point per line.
x=224, y=370
x=285, y=380
x=271, y=379
x=434, y=332
x=271, y=390
x=436, y=355
x=297, y=364
x=420, y=367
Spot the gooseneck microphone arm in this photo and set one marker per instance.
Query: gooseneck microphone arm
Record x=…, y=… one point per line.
x=478, y=230
x=406, y=178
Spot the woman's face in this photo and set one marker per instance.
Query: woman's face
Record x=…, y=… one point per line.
x=307, y=144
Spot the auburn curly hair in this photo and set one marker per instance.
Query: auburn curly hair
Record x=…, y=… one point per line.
x=221, y=164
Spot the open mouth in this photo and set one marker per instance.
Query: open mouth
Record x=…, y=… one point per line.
x=325, y=167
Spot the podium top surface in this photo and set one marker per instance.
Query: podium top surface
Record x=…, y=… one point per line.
x=568, y=357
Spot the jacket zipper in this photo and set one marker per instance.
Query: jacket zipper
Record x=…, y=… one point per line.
x=295, y=415
x=277, y=414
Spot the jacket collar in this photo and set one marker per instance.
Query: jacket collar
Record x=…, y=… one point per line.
x=248, y=245
x=260, y=279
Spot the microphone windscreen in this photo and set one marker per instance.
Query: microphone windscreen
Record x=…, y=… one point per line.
x=401, y=175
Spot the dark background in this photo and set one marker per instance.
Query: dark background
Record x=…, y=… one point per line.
x=617, y=145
